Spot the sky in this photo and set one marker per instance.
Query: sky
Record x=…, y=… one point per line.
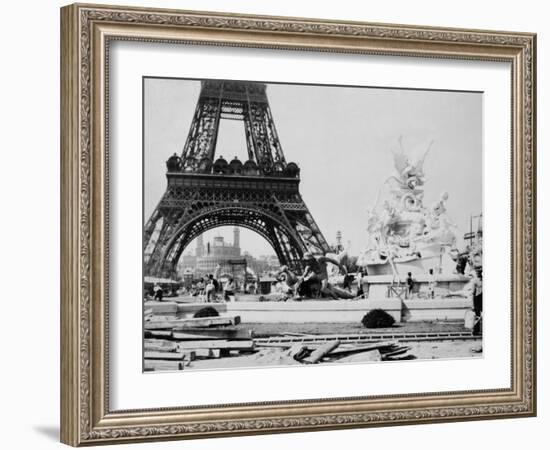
x=342, y=138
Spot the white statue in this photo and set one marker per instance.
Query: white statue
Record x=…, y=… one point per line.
x=400, y=228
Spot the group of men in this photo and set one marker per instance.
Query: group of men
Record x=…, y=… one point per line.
x=209, y=288
x=314, y=281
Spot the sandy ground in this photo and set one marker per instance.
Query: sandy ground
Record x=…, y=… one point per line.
x=277, y=358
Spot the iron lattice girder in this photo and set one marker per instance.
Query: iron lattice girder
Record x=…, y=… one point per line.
x=271, y=207
x=237, y=101
x=224, y=215
x=262, y=194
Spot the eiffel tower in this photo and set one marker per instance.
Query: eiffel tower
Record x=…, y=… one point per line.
x=204, y=192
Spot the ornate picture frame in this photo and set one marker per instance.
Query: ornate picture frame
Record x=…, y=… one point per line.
x=86, y=32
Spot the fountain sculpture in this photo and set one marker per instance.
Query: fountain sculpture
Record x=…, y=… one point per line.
x=404, y=235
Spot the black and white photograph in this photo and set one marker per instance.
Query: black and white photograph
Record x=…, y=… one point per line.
x=298, y=224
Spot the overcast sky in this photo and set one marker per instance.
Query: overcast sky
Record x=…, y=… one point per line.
x=341, y=137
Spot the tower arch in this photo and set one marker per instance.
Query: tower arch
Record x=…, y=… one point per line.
x=205, y=191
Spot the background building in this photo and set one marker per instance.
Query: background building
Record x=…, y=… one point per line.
x=206, y=256
x=217, y=252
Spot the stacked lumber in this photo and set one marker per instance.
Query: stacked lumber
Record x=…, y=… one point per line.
x=174, y=339
x=160, y=355
x=213, y=342
x=186, y=344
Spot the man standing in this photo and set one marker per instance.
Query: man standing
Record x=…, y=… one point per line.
x=410, y=285
x=360, y=291
x=210, y=288
x=229, y=290
x=478, y=299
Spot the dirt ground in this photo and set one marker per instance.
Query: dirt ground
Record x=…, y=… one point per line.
x=277, y=358
x=267, y=357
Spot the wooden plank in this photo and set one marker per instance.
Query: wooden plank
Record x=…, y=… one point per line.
x=207, y=352
x=398, y=351
x=169, y=308
x=275, y=344
x=172, y=356
x=153, y=365
x=181, y=324
x=348, y=350
x=163, y=334
x=298, y=352
x=209, y=321
x=212, y=333
x=219, y=344
x=159, y=345
x=289, y=334
x=321, y=351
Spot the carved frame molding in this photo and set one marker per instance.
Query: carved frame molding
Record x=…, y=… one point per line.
x=86, y=31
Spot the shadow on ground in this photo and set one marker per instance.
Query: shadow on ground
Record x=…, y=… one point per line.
x=49, y=431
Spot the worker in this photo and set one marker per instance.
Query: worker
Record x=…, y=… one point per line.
x=282, y=289
x=360, y=291
x=158, y=292
x=410, y=284
x=478, y=298
x=229, y=290
x=199, y=289
x=210, y=288
x=315, y=276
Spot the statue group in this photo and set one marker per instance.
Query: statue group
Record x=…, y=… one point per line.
x=401, y=228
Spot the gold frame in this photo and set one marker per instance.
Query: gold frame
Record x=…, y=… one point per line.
x=86, y=31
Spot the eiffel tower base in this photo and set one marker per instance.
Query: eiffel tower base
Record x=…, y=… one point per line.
x=195, y=203
x=261, y=194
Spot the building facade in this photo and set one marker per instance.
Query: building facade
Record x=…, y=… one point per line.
x=218, y=253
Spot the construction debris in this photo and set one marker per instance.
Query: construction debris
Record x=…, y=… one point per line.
x=172, y=342
x=298, y=352
x=177, y=334
x=347, y=349
x=320, y=352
